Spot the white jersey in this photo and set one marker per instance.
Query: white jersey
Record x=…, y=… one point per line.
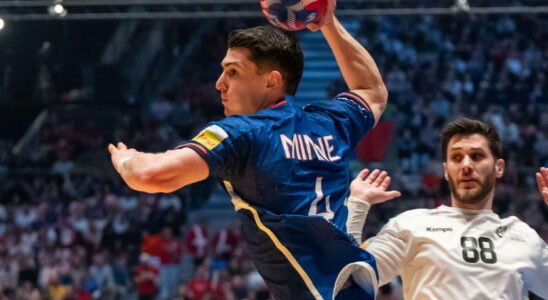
x=451, y=253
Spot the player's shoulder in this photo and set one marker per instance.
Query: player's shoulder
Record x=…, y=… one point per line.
x=410, y=218
x=345, y=98
x=520, y=228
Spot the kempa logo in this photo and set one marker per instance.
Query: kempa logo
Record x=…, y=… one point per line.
x=439, y=229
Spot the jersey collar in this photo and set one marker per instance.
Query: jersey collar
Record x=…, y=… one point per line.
x=280, y=101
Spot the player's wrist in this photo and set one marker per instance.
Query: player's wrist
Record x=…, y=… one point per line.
x=360, y=200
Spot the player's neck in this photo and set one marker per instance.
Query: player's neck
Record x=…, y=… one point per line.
x=270, y=102
x=485, y=204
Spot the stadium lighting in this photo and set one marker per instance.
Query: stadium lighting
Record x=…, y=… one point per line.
x=2, y=23
x=461, y=6
x=57, y=9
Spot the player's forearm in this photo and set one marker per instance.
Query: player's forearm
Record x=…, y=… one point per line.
x=162, y=172
x=138, y=172
x=358, y=68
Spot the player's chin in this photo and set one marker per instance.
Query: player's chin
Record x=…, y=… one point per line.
x=469, y=196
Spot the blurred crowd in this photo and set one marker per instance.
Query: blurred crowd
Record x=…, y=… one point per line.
x=69, y=229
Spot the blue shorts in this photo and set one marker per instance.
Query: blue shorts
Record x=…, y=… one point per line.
x=306, y=257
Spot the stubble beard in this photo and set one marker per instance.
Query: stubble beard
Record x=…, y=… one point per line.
x=473, y=196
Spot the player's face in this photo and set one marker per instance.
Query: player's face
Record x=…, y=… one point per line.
x=243, y=89
x=471, y=171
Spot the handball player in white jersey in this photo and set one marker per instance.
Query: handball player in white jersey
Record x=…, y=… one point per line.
x=465, y=251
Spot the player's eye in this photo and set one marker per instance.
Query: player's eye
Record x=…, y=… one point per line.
x=456, y=157
x=477, y=156
x=232, y=72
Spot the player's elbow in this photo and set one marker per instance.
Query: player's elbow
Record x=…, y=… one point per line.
x=379, y=96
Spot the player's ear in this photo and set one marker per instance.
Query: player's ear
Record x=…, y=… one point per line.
x=445, y=171
x=499, y=167
x=274, y=79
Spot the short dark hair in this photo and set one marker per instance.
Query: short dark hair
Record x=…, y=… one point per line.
x=272, y=49
x=468, y=126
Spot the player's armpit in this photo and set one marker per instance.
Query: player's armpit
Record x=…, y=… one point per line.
x=165, y=172
x=376, y=99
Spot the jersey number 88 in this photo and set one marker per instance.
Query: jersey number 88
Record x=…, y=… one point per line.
x=471, y=254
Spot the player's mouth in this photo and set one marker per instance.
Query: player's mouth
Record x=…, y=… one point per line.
x=468, y=183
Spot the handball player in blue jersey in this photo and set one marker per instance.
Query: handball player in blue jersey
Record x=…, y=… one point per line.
x=285, y=167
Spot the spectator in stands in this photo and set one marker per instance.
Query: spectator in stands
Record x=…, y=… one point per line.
x=101, y=272
x=170, y=258
x=199, y=286
x=146, y=277
x=196, y=242
x=26, y=291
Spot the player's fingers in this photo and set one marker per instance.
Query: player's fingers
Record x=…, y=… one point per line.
x=544, y=173
x=363, y=174
x=111, y=148
x=371, y=178
x=385, y=196
x=122, y=146
x=385, y=183
x=380, y=178
x=393, y=194
x=329, y=12
x=540, y=182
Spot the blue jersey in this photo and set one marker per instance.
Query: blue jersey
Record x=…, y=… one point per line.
x=287, y=161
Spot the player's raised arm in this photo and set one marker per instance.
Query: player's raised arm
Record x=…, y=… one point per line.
x=542, y=183
x=158, y=172
x=358, y=68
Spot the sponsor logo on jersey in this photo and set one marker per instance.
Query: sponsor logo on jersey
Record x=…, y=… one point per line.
x=211, y=136
x=500, y=230
x=303, y=147
x=439, y=229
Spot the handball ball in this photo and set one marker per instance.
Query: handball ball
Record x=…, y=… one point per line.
x=293, y=14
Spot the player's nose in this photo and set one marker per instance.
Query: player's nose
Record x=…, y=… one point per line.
x=221, y=83
x=467, y=161
x=466, y=165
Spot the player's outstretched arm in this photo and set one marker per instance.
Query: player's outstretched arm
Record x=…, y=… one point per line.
x=358, y=68
x=158, y=172
x=366, y=189
x=542, y=183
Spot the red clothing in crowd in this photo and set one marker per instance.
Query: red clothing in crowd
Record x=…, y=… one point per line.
x=152, y=244
x=146, y=277
x=196, y=241
x=222, y=289
x=171, y=251
x=198, y=288
x=224, y=241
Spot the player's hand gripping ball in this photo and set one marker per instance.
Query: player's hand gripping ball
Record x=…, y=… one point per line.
x=293, y=14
